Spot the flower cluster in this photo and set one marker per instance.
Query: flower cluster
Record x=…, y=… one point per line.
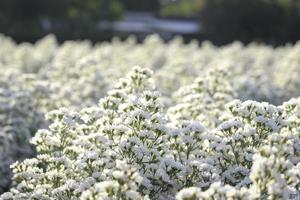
x=260, y=158
x=276, y=169
x=124, y=184
x=19, y=120
x=143, y=142
x=235, y=140
x=204, y=100
x=125, y=148
x=82, y=148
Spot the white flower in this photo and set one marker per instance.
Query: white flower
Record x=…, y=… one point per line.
x=188, y=193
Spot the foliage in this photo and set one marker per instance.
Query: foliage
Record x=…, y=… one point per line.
x=274, y=22
x=180, y=8
x=66, y=18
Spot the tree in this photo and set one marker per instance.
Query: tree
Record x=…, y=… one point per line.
x=247, y=20
x=69, y=19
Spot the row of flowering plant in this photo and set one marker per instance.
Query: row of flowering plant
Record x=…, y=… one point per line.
x=126, y=148
x=20, y=118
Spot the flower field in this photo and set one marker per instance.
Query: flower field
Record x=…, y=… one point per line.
x=150, y=120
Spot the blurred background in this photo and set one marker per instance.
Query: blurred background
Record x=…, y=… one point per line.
x=273, y=22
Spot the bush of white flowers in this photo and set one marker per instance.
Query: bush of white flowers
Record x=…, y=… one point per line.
x=261, y=161
x=126, y=148
x=19, y=120
x=257, y=72
x=84, y=149
x=29, y=88
x=204, y=133
x=204, y=100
